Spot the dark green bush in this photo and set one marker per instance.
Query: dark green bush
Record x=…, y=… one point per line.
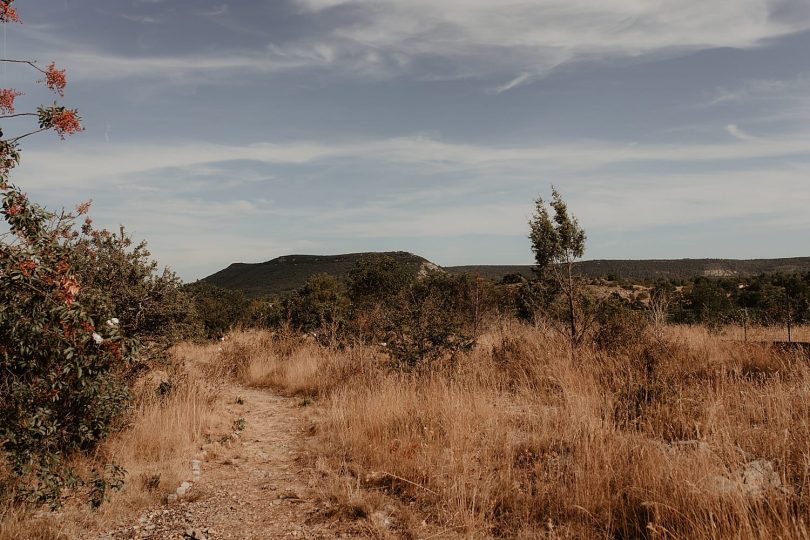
x=218, y=310
x=264, y=313
x=321, y=305
x=376, y=279
x=431, y=317
x=64, y=361
x=149, y=303
x=373, y=286
x=619, y=325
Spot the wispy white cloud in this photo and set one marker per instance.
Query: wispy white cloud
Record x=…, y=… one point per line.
x=763, y=90
x=517, y=81
x=89, y=165
x=385, y=38
x=534, y=36
x=143, y=19
x=779, y=103
x=211, y=68
x=217, y=11
x=738, y=133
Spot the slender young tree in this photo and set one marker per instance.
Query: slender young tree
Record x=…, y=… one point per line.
x=558, y=242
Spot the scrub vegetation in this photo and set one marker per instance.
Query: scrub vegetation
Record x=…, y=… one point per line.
x=546, y=404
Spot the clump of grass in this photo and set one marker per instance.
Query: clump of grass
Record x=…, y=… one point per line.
x=290, y=364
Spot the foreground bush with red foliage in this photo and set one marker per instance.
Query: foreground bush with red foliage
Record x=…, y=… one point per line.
x=63, y=359
x=75, y=305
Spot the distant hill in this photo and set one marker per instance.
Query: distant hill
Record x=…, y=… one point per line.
x=284, y=274
x=656, y=268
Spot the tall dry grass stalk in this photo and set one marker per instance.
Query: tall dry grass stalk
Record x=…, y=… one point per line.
x=647, y=440
x=165, y=430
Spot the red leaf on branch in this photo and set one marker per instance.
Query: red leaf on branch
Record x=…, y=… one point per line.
x=69, y=289
x=8, y=13
x=28, y=266
x=67, y=123
x=83, y=207
x=7, y=96
x=13, y=210
x=55, y=79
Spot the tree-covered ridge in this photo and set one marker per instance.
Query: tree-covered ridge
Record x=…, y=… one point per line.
x=285, y=274
x=653, y=269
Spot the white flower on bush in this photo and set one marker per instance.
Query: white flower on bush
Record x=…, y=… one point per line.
x=113, y=322
x=97, y=338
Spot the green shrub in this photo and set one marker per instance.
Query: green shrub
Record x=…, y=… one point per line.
x=532, y=299
x=431, y=317
x=74, y=304
x=320, y=305
x=264, y=313
x=150, y=304
x=63, y=358
x=377, y=278
x=373, y=286
x=218, y=309
x=619, y=326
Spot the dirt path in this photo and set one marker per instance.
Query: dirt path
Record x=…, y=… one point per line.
x=255, y=487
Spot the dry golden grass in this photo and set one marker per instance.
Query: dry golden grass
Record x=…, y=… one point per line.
x=155, y=449
x=517, y=440
x=291, y=364
x=513, y=439
x=738, y=333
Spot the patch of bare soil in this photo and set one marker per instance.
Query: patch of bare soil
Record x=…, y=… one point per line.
x=254, y=486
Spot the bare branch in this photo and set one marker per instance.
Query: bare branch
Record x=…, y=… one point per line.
x=18, y=114
x=32, y=63
x=15, y=139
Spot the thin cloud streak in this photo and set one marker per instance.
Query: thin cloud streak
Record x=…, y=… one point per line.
x=517, y=81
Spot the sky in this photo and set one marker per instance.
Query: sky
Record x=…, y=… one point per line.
x=245, y=130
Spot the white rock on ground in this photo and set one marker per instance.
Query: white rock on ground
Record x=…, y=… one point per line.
x=756, y=479
x=760, y=477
